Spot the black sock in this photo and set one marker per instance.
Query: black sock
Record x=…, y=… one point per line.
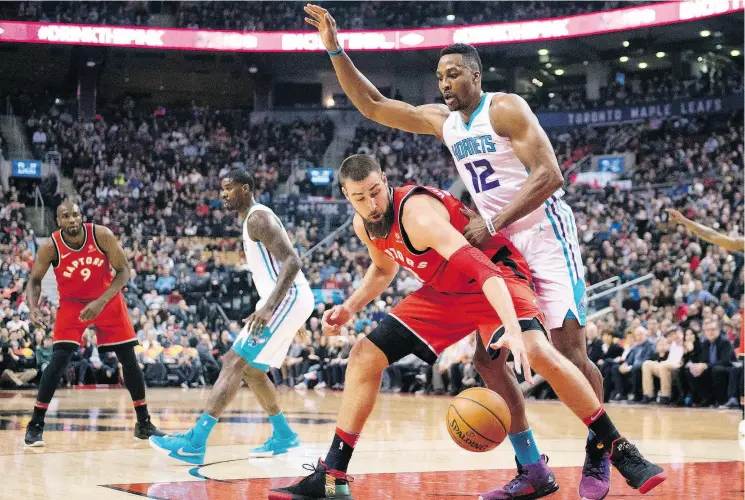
x=40, y=409
x=601, y=426
x=341, y=450
x=50, y=379
x=134, y=380
x=141, y=410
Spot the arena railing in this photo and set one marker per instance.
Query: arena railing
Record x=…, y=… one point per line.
x=616, y=291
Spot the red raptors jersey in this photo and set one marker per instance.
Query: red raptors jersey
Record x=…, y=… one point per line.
x=429, y=266
x=82, y=274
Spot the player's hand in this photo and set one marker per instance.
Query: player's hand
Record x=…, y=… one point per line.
x=514, y=342
x=675, y=216
x=258, y=321
x=321, y=19
x=92, y=310
x=475, y=231
x=37, y=317
x=334, y=319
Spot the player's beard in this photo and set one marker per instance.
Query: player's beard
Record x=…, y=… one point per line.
x=73, y=231
x=382, y=228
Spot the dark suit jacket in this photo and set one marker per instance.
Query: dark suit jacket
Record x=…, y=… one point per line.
x=595, y=350
x=724, y=352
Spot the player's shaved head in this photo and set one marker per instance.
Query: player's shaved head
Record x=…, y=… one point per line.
x=67, y=206
x=471, y=58
x=69, y=218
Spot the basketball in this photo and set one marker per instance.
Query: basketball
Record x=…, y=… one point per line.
x=478, y=420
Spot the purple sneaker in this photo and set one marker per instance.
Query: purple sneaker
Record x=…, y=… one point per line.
x=595, y=481
x=532, y=481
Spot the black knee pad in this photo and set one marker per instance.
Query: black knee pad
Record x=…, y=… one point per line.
x=397, y=341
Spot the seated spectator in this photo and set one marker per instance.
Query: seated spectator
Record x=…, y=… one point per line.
x=16, y=366
x=708, y=375
x=43, y=354
x=612, y=353
x=627, y=376
x=594, y=343
x=669, y=359
x=210, y=366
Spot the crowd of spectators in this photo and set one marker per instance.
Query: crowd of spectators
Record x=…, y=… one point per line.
x=639, y=88
x=258, y=16
x=405, y=158
x=148, y=173
x=190, y=288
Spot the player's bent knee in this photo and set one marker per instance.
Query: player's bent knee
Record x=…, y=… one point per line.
x=542, y=355
x=366, y=356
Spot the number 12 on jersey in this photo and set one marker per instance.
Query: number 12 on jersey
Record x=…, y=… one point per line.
x=480, y=181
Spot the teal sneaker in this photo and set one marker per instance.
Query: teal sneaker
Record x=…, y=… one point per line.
x=179, y=447
x=275, y=445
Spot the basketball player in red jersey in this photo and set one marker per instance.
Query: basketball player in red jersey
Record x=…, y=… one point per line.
x=83, y=256
x=420, y=228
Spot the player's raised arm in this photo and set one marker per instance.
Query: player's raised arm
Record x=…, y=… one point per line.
x=266, y=229
x=729, y=243
x=427, y=224
x=46, y=255
x=426, y=119
x=511, y=117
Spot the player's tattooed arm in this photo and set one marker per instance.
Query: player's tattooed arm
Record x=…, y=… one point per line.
x=511, y=117
x=46, y=256
x=110, y=246
x=379, y=275
x=264, y=228
x=425, y=119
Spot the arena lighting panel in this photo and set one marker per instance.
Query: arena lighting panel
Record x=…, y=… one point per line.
x=404, y=39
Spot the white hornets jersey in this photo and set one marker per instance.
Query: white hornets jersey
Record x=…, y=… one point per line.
x=263, y=266
x=487, y=163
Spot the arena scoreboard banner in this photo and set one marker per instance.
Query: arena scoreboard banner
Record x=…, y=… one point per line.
x=644, y=16
x=646, y=111
x=321, y=176
x=26, y=168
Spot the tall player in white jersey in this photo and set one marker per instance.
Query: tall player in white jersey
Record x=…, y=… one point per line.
x=509, y=167
x=285, y=305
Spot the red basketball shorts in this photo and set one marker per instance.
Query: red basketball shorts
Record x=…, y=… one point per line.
x=113, y=326
x=440, y=320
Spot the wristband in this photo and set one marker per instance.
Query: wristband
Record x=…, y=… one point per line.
x=336, y=52
x=490, y=226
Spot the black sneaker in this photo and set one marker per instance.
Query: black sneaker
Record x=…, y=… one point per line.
x=34, y=431
x=145, y=428
x=323, y=483
x=640, y=473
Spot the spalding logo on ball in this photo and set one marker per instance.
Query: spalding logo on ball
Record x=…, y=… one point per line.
x=478, y=420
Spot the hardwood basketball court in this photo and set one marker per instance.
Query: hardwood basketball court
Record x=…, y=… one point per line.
x=404, y=453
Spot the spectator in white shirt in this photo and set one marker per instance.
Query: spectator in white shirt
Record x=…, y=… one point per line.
x=663, y=369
